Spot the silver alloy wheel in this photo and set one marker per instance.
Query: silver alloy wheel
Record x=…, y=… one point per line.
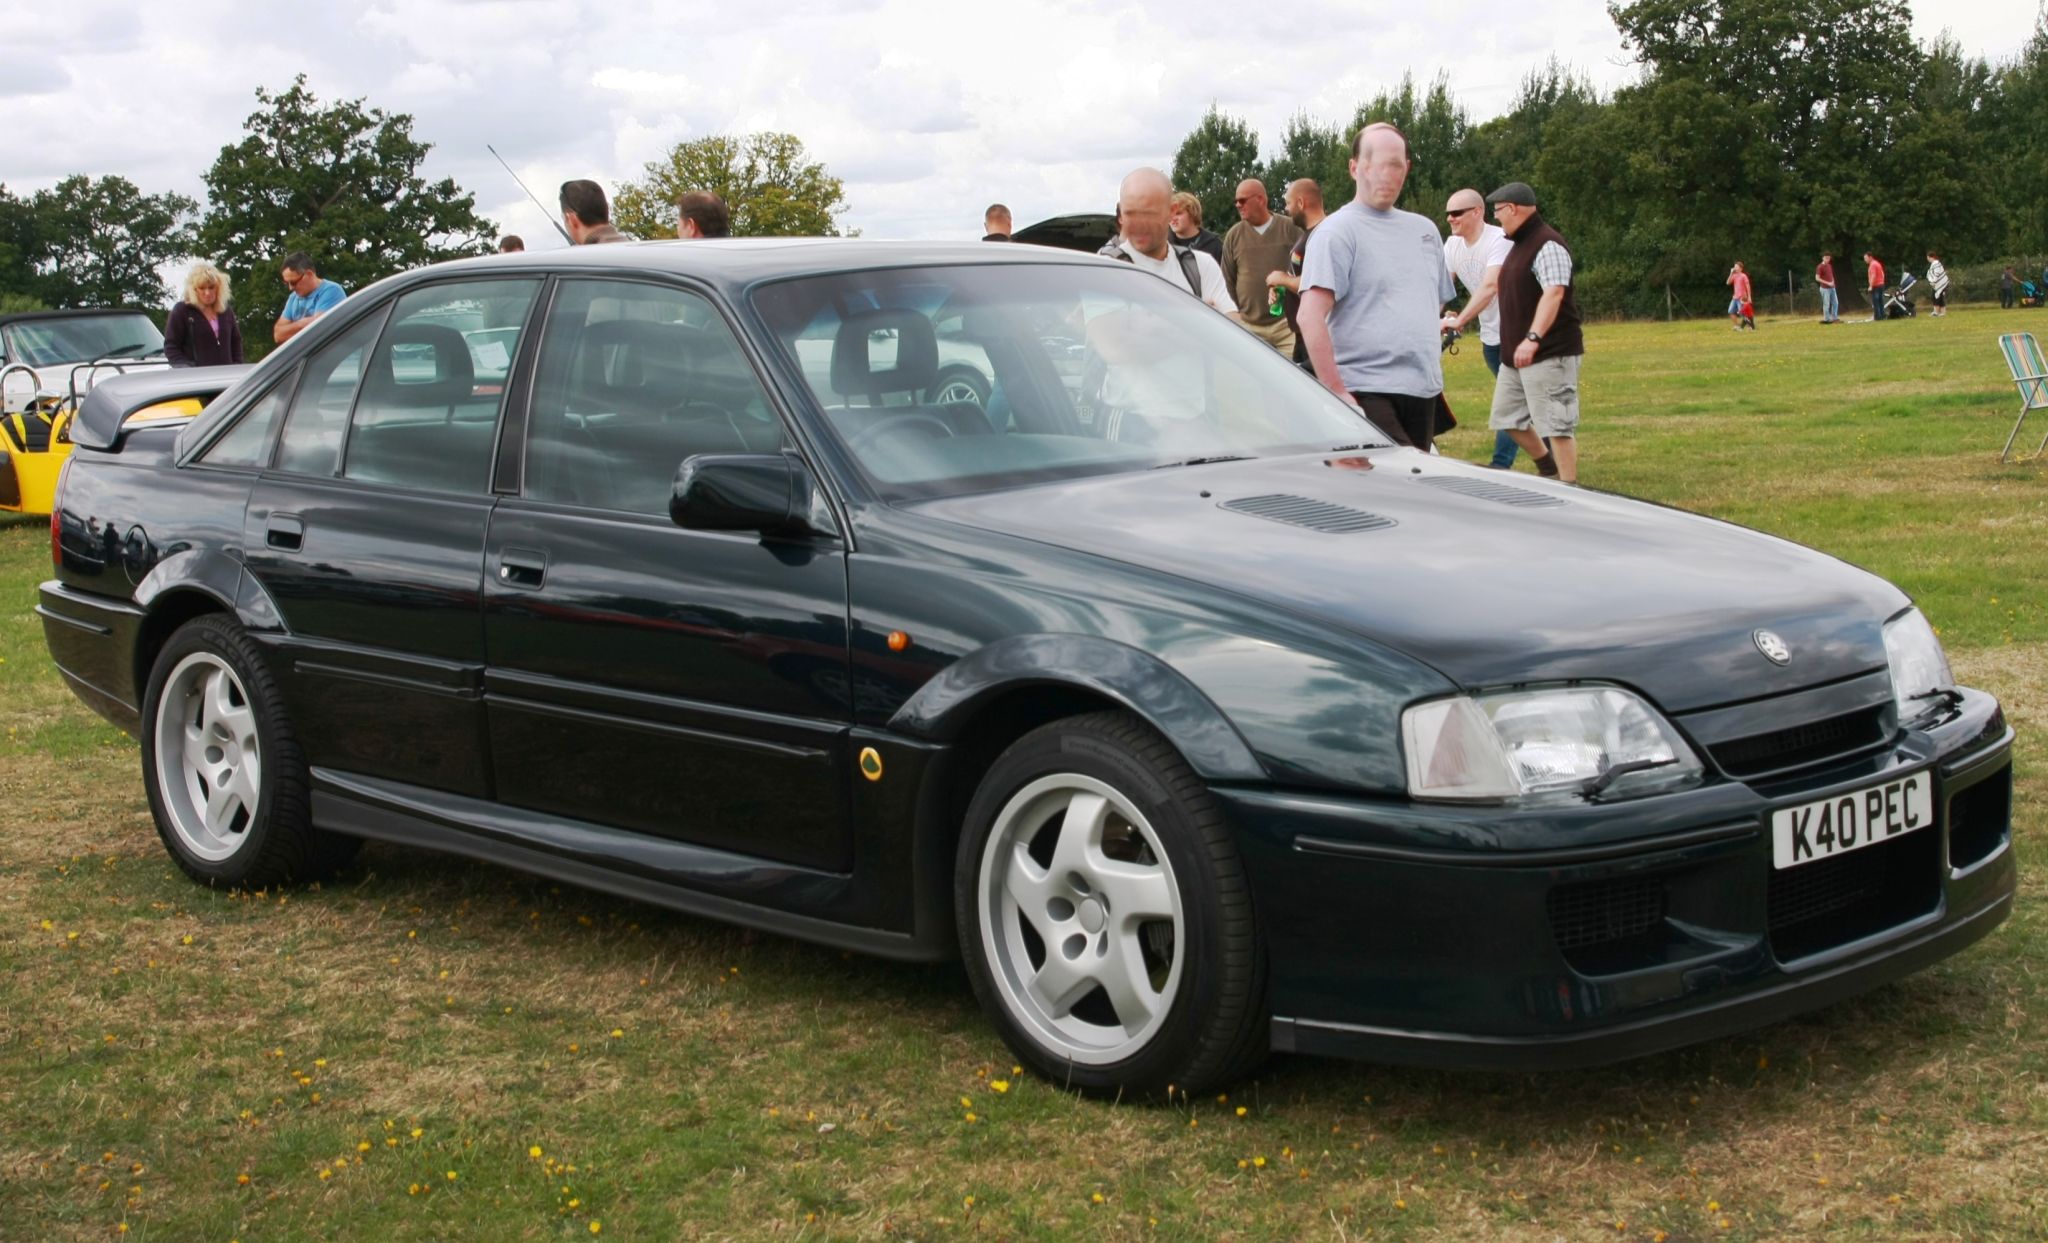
x=1081, y=918
x=957, y=391
x=209, y=767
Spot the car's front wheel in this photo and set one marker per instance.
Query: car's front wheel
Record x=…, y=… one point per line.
x=1105, y=916
x=227, y=784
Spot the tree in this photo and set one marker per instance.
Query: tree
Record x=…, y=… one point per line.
x=92, y=242
x=1221, y=152
x=1437, y=130
x=1317, y=152
x=341, y=183
x=768, y=182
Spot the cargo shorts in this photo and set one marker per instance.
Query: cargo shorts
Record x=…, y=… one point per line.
x=1543, y=395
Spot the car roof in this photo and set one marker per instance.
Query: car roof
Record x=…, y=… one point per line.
x=738, y=262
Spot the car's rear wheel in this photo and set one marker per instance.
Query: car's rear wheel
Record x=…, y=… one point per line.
x=227, y=784
x=1105, y=916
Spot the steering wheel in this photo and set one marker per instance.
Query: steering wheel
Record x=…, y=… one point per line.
x=932, y=426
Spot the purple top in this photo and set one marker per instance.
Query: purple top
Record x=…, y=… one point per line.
x=190, y=341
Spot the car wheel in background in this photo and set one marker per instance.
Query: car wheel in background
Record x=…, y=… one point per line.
x=957, y=385
x=226, y=781
x=1104, y=913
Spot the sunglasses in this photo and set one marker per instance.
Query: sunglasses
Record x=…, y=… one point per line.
x=1453, y=215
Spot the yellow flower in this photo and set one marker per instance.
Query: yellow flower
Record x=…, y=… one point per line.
x=1713, y=1206
x=391, y=1141
x=1402, y=1204
x=575, y=1203
x=966, y=1103
x=73, y=936
x=1096, y=1197
x=315, y=1098
x=1000, y=1085
x=326, y=1174
x=184, y=940
x=618, y=1033
x=122, y=1228
x=1240, y=1111
x=971, y=1117
x=452, y=1176
x=363, y=1146
x=413, y=1190
x=967, y=1203
x=319, y=1061
x=416, y=1132
x=1260, y=1162
x=1016, y=1070
x=46, y=925
x=241, y=1180
x=534, y=1152
x=597, y=1227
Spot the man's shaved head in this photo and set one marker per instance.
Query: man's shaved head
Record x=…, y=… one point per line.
x=1464, y=200
x=1379, y=163
x=1142, y=202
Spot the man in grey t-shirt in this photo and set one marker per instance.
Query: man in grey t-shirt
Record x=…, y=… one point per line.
x=1373, y=286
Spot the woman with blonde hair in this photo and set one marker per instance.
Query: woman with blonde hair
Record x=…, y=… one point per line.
x=202, y=331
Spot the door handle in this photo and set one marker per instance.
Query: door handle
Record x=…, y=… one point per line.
x=522, y=567
x=286, y=532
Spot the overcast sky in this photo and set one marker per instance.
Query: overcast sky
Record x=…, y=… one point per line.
x=927, y=109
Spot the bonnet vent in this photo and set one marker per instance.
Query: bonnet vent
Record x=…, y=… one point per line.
x=1487, y=490
x=1300, y=511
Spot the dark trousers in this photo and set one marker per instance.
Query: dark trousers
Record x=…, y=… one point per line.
x=1877, y=304
x=2005, y=296
x=1406, y=420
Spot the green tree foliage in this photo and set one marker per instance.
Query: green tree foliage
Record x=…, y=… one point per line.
x=771, y=185
x=1321, y=153
x=340, y=182
x=1221, y=152
x=92, y=242
x=1439, y=141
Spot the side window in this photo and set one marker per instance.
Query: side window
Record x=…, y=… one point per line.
x=633, y=379
x=247, y=443
x=428, y=411
x=312, y=428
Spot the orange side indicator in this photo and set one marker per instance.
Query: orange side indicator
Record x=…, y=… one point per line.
x=898, y=640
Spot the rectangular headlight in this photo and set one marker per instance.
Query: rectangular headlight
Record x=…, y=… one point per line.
x=1586, y=740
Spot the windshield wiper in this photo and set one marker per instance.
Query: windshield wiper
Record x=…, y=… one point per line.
x=1204, y=461
x=136, y=347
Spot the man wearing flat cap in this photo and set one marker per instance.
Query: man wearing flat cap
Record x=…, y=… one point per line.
x=1536, y=398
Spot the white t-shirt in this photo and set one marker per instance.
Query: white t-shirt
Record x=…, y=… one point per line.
x=1213, y=290
x=1469, y=261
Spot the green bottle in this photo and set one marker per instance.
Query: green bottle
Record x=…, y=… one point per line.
x=1277, y=309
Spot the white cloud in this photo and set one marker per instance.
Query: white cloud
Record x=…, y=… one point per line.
x=928, y=109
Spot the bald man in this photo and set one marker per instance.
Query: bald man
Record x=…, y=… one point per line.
x=1254, y=247
x=1373, y=289
x=1474, y=252
x=1143, y=202
x=1304, y=206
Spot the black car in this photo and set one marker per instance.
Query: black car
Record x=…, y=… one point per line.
x=1196, y=718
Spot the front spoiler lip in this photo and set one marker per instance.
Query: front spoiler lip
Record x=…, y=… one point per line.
x=1809, y=990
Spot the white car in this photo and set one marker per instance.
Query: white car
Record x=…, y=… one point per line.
x=62, y=354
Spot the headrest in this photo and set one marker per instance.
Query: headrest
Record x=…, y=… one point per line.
x=916, y=353
x=453, y=380
x=652, y=350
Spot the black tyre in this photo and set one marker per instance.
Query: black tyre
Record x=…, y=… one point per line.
x=227, y=783
x=958, y=386
x=1104, y=914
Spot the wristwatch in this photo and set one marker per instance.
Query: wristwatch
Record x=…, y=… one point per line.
x=1534, y=336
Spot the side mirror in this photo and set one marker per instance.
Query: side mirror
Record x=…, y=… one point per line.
x=766, y=492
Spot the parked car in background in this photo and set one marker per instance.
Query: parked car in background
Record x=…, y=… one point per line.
x=48, y=361
x=1194, y=716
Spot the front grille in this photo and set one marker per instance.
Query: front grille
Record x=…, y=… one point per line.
x=1801, y=745
x=1595, y=922
x=1818, y=906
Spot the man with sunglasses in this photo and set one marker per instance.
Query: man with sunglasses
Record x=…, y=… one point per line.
x=310, y=297
x=1256, y=245
x=1474, y=252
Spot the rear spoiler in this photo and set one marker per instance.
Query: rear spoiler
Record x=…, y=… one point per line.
x=104, y=414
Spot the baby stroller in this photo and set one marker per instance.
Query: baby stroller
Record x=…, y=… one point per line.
x=1896, y=304
x=2030, y=294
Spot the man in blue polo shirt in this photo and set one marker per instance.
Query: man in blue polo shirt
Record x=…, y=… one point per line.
x=310, y=298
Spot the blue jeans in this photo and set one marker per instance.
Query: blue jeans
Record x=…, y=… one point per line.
x=1877, y=304
x=1504, y=447
x=1830, y=305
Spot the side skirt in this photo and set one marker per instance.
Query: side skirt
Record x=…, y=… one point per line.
x=659, y=871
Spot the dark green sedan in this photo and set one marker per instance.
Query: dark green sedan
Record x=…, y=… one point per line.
x=1136, y=669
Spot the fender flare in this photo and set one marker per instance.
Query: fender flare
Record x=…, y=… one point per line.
x=1141, y=682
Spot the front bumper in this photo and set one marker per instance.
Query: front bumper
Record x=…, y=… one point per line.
x=1490, y=938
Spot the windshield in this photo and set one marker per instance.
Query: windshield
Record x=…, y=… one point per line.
x=948, y=380
x=83, y=338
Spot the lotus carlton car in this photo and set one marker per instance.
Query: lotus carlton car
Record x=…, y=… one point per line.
x=1197, y=719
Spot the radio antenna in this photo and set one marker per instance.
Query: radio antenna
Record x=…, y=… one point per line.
x=529, y=194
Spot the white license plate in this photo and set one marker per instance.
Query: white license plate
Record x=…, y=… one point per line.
x=1833, y=826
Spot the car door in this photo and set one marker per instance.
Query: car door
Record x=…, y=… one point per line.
x=685, y=684
x=367, y=531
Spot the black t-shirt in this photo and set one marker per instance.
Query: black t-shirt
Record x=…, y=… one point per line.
x=1203, y=240
x=1290, y=300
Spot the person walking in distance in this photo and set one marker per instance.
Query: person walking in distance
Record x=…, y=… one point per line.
x=1937, y=276
x=1474, y=252
x=1536, y=398
x=1373, y=288
x=1873, y=284
x=1256, y=245
x=1739, y=306
x=1830, y=297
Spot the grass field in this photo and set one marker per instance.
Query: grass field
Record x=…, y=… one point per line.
x=426, y=1049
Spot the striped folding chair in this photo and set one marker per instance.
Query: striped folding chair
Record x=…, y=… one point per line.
x=2023, y=355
